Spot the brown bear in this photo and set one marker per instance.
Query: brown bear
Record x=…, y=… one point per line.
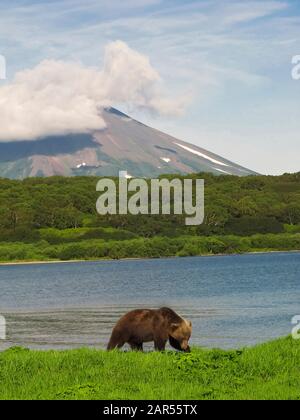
x=145, y=325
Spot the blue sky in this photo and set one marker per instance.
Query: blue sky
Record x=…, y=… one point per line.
x=232, y=58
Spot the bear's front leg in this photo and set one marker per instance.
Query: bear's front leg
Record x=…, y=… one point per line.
x=136, y=346
x=160, y=344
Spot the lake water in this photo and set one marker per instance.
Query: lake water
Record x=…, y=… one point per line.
x=233, y=301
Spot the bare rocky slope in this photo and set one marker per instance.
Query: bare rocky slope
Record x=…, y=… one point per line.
x=125, y=144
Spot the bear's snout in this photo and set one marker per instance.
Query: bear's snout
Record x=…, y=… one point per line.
x=186, y=348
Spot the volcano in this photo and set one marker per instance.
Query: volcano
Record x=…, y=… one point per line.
x=124, y=145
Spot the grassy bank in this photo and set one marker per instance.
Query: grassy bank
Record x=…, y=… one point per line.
x=269, y=371
x=184, y=246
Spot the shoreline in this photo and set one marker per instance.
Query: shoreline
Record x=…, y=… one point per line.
x=17, y=263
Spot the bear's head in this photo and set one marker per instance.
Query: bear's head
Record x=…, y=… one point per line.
x=180, y=334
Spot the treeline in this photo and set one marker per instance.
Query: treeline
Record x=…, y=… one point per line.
x=238, y=206
x=147, y=247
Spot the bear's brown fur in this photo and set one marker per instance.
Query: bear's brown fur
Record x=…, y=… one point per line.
x=145, y=325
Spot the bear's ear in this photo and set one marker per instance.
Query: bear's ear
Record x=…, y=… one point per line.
x=190, y=324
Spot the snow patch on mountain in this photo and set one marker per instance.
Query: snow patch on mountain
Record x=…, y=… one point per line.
x=196, y=152
x=221, y=170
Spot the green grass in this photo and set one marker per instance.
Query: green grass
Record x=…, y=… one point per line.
x=269, y=371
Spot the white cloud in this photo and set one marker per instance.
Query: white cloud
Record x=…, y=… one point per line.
x=58, y=97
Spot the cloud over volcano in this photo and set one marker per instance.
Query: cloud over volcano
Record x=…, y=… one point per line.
x=58, y=97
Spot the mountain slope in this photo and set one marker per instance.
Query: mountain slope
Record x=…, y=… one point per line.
x=125, y=144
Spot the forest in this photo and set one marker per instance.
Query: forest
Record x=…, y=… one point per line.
x=56, y=219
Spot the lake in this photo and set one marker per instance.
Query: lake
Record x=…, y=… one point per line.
x=233, y=301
